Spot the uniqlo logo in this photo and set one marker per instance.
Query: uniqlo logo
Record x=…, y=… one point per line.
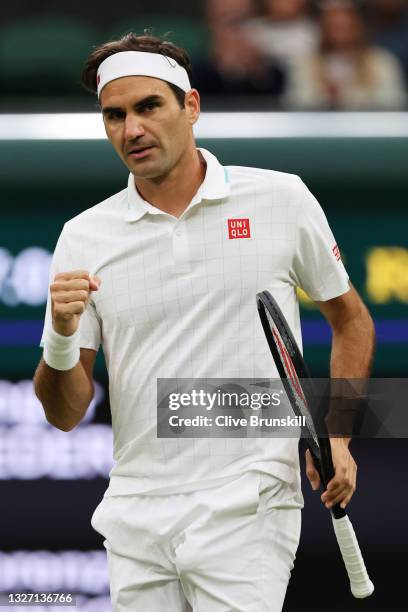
x=336, y=252
x=238, y=228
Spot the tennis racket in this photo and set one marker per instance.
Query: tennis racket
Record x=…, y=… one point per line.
x=292, y=369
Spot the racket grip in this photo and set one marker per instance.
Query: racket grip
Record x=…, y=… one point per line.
x=360, y=583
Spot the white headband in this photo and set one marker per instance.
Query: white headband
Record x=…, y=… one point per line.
x=140, y=63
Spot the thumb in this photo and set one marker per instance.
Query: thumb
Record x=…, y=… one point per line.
x=94, y=283
x=311, y=472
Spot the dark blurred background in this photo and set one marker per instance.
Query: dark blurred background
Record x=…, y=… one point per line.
x=270, y=54
x=314, y=88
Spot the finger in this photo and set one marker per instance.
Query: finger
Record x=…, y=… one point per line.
x=340, y=498
x=346, y=501
x=345, y=473
x=336, y=486
x=333, y=487
x=72, y=275
x=311, y=472
x=329, y=500
x=70, y=285
x=94, y=283
x=65, y=311
x=65, y=297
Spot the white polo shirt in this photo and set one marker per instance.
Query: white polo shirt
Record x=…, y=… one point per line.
x=177, y=300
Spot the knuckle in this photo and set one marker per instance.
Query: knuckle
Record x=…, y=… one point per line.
x=84, y=285
x=59, y=308
x=82, y=274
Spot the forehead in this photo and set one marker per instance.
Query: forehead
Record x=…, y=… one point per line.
x=131, y=89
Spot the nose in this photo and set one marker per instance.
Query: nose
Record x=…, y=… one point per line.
x=133, y=127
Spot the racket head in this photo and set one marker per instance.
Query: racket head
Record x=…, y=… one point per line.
x=296, y=379
x=272, y=318
x=289, y=362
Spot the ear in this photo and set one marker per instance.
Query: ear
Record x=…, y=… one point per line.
x=192, y=105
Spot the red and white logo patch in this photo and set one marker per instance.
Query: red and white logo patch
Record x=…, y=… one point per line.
x=238, y=228
x=336, y=252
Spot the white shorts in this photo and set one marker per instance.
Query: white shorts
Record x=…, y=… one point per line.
x=229, y=548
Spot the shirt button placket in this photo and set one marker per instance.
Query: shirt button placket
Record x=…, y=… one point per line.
x=181, y=250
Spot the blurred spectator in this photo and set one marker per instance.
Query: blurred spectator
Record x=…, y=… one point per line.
x=347, y=73
x=235, y=65
x=217, y=11
x=286, y=31
x=389, y=21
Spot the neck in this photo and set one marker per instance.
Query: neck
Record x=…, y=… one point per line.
x=173, y=192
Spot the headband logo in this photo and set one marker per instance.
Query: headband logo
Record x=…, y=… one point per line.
x=169, y=59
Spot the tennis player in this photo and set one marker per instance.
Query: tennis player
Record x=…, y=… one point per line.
x=164, y=275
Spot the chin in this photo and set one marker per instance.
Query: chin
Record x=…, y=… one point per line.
x=145, y=174
x=142, y=170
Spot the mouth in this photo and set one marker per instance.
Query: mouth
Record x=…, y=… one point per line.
x=139, y=152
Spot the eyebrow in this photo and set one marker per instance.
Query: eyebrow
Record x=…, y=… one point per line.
x=138, y=106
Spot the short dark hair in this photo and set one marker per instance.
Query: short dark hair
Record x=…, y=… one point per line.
x=132, y=42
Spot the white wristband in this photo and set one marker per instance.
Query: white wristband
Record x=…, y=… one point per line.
x=61, y=352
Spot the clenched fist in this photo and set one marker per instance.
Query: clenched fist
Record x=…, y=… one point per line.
x=70, y=293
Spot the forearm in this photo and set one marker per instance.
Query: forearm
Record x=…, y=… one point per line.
x=65, y=395
x=353, y=348
x=351, y=358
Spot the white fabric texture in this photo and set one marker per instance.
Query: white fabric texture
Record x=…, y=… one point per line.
x=141, y=63
x=231, y=547
x=177, y=299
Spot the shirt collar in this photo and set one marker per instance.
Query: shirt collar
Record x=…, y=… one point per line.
x=214, y=187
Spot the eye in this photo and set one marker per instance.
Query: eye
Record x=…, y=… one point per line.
x=114, y=115
x=150, y=106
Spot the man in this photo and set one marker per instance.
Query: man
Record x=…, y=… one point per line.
x=154, y=275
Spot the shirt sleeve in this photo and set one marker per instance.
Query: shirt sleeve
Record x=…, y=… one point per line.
x=89, y=324
x=317, y=267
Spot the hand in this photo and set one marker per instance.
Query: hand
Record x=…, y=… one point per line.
x=341, y=487
x=70, y=294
